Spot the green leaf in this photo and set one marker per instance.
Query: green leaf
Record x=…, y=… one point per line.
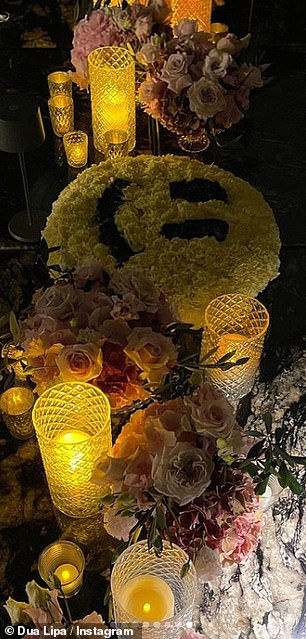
x=241, y=361
x=55, y=581
x=226, y=357
x=209, y=354
x=294, y=484
x=255, y=451
x=283, y=475
x=185, y=568
x=14, y=327
x=284, y=455
x=300, y=461
x=267, y=418
x=261, y=486
x=108, y=500
x=126, y=513
x=160, y=518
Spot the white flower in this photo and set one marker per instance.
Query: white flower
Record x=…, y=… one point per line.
x=207, y=564
x=216, y=63
x=17, y=611
x=182, y=472
x=117, y=526
x=206, y=98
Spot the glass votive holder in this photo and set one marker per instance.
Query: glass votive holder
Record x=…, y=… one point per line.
x=218, y=31
x=76, y=148
x=59, y=83
x=16, y=406
x=66, y=561
x=237, y=323
x=164, y=590
x=116, y=144
x=61, y=114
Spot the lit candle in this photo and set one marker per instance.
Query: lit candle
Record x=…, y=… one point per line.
x=66, y=561
x=61, y=114
x=16, y=406
x=68, y=575
x=115, y=111
x=59, y=82
x=147, y=598
x=218, y=31
x=72, y=423
x=76, y=148
x=199, y=10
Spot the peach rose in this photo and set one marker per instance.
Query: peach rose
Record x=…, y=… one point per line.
x=155, y=354
x=58, y=301
x=211, y=413
x=80, y=362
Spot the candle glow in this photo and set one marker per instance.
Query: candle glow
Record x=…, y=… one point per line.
x=76, y=148
x=68, y=575
x=59, y=83
x=61, y=114
x=16, y=407
x=147, y=598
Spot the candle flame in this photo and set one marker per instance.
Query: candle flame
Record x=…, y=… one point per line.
x=146, y=607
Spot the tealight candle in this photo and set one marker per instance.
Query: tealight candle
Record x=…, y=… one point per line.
x=61, y=114
x=65, y=560
x=148, y=589
x=147, y=598
x=16, y=406
x=59, y=83
x=76, y=148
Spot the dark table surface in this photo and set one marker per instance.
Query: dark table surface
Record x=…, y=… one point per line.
x=271, y=157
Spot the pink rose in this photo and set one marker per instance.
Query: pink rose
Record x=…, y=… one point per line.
x=211, y=413
x=140, y=286
x=230, y=115
x=143, y=27
x=152, y=352
x=175, y=72
x=173, y=415
x=57, y=301
x=206, y=98
x=80, y=362
x=90, y=271
x=241, y=538
x=151, y=90
x=185, y=28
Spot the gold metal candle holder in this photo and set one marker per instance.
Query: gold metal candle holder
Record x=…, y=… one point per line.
x=218, y=31
x=66, y=561
x=199, y=10
x=72, y=423
x=16, y=406
x=112, y=90
x=234, y=323
x=76, y=148
x=61, y=114
x=59, y=83
x=136, y=562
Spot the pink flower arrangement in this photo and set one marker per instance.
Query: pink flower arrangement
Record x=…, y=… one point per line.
x=195, y=87
x=113, y=26
x=104, y=330
x=167, y=472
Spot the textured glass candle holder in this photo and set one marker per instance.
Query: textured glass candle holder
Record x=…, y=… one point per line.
x=116, y=144
x=218, y=31
x=199, y=10
x=76, y=148
x=138, y=560
x=112, y=91
x=16, y=406
x=60, y=557
x=72, y=423
x=234, y=323
x=61, y=114
x=59, y=83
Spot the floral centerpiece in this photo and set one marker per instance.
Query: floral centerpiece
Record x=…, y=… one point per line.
x=87, y=326
x=125, y=25
x=197, y=88
x=170, y=473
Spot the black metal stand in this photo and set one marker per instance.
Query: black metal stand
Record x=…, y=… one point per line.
x=154, y=136
x=250, y=20
x=22, y=226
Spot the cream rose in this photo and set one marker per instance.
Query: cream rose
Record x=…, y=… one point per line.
x=80, y=362
x=57, y=301
x=134, y=282
x=182, y=472
x=211, y=413
x=155, y=354
x=216, y=63
x=206, y=98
